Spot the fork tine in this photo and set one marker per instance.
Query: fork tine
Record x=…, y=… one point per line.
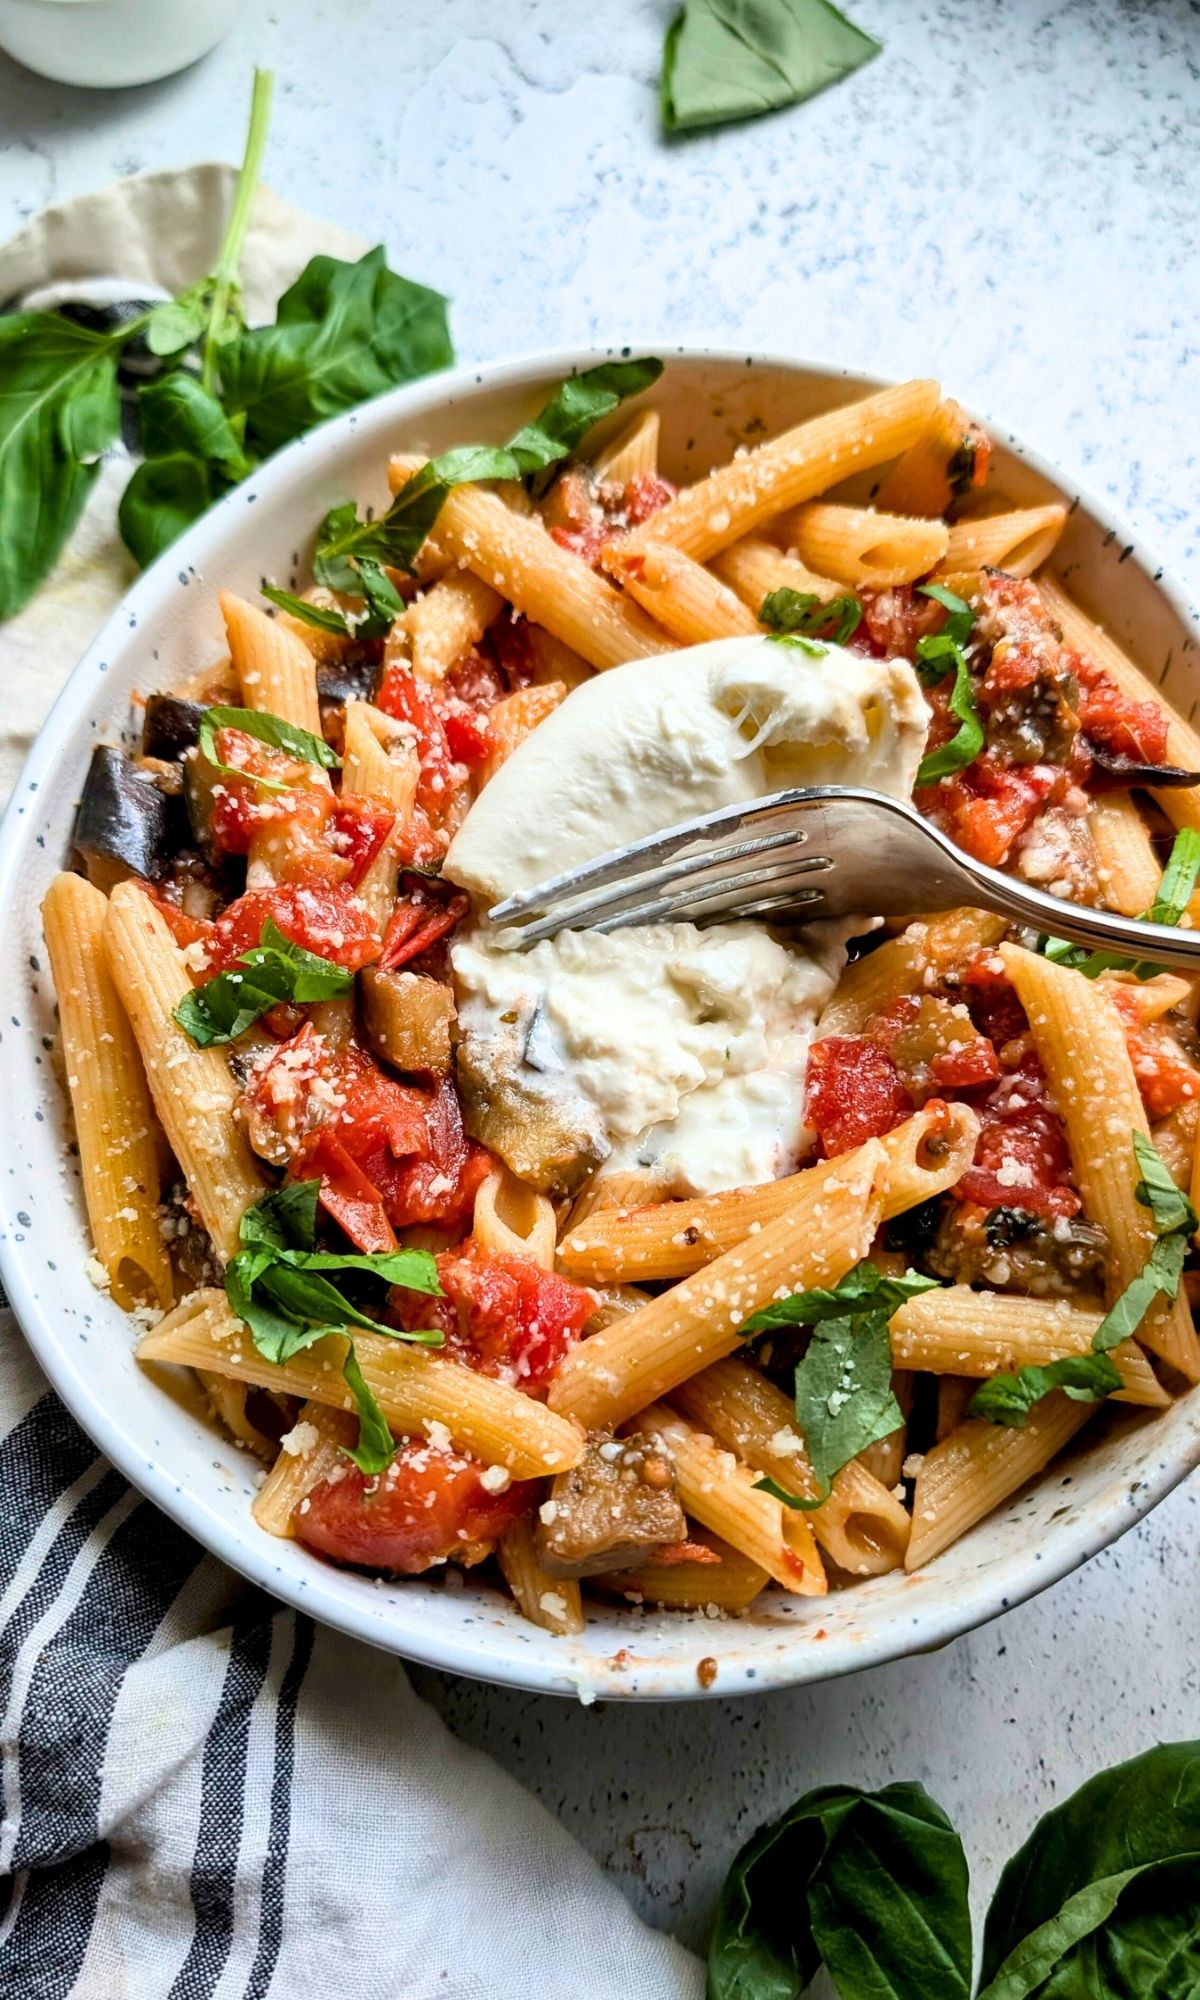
x=675, y=889
x=811, y=901
x=679, y=851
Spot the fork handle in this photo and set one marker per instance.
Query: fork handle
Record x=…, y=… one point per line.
x=1100, y=930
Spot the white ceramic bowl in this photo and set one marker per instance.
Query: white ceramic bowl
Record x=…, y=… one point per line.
x=108, y=44
x=168, y=626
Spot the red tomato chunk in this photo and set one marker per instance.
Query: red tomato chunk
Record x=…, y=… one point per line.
x=430, y=1506
x=502, y=1315
x=854, y=1092
x=333, y=923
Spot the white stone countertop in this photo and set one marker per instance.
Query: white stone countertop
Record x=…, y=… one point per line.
x=1007, y=198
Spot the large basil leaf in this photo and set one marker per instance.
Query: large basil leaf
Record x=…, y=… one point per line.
x=726, y=59
x=342, y=332
x=59, y=410
x=873, y=1885
x=1103, y=1900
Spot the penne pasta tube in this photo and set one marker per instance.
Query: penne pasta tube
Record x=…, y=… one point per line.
x=633, y=452
x=325, y=647
x=1181, y=803
x=754, y=567
x=550, y=661
x=732, y=1584
x=380, y=761
x=628, y=1189
x=862, y=547
x=512, y=1220
x=549, y=584
x=976, y=1334
x=553, y=1602
x=193, y=1090
x=796, y=466
x=862, y=1527
x=721, y=1493
x=826, y=1229
x=314, y=1447
x=1018, y=543
x=930, y=946
x=1080, y=1040
x=954, y=1392
x=948, y=459
x=514, y=718
x=228, y=1401
x=1130, y=871
x=1145, y=1000
x=971, y=1471
x=115, y=1120
x=448, y=619
x=883, y=1459
x=414, y=1388
x=687, y=600
x=276, y=671
x=673, y=1239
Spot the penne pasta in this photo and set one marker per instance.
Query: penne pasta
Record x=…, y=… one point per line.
x=549, y=584
x=922, y=953
x=1018, y=543
x=513, y=719
x=553, y=1602
x=511, y=1220
x=315, y=1446
x=861, y=547
x=862, y=1527
x=414, y=1389
x=673, y=1239
x=1079, y=1037
x=754, y=567
x=380, y=761
x=974, y=1468
x=446, y=620
x=948, y=459
x=276, y=671
x=721, y=1493
x=731, y=1584
x=115, y=1119
x=193, y=1090
x=964, y=1333
x=824, y=1231
x=687, y=600
x=633, y=452
x=803, y=462
x=1129, y=868
x=883, y=1459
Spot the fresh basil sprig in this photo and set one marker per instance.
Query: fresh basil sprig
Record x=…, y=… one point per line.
x=343, y=332
x=396, y=537
x=844, y=1398
x=1089, y=1378
x=790, y=611
x=1101, y=1903
x=265, y=728
x=274, y=1287
x=727, y=59
x=382, y=604
x=938, y=655
x=274, y=969
x=1174, y=894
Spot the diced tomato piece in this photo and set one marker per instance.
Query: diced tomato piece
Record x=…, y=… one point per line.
x=439, y=1183
x=353, y=1201
x=357, y=829
x=966, y=1068
x=1165, y=1077
x=467, y=736
x=430, y=1506
x=1136, y=729
x=894, y=620
x=586, y=542
x=645, y=494
x=332, y=922
x=184, y=929
x=406, y=699
x=502, y=1315
x=854, y=1092
x=988, y=806
x=420, y=919
x=1022, y=1159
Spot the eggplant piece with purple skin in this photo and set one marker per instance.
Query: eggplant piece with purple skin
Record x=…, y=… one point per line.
x=171, y=726
x=125, y=825
x=1114, y=772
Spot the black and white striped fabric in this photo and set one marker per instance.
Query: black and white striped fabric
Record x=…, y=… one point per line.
x=207, y=1798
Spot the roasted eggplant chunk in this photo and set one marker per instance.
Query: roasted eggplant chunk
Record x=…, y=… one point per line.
x=126, y=824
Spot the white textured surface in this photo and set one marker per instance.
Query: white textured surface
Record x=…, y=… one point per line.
x=1007, y=198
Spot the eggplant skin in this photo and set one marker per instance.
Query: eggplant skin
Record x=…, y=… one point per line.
x=171, y=727
x=124, y=825
x=351, y=679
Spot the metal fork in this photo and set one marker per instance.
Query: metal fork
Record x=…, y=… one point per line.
x=802, y=855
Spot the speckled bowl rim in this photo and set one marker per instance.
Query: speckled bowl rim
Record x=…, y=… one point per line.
x=539, y=1663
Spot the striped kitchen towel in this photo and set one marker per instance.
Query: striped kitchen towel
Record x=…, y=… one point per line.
x=208, y=1798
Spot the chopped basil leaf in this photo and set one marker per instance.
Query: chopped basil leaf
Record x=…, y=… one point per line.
x=787, y=610
x=274, y=969
x=864, y=1289
x=813, y=647
x=1156, y=1190
x=322, y=617
x=1008, y=1399
x=383, y=601
x=271, y=729
x=844, y=1399
x=396, y=538
x=728, y=59
x=286, y=1219
x=959, y=624
x=936, y=657
x=376, y=1446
